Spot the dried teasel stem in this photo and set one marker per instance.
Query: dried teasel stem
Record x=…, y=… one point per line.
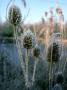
x=26, y=70
x=64, y=65
x=50, y=71
x=19, y=51
x=36, y=54
x=34, y=71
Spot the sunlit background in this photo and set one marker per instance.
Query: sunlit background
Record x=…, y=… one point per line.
x=36, y=8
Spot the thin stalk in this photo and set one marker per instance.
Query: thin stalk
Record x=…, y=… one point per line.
x=50, y=71
x=19, y=52
x=62, y=42
x=65, y=65
x=34, y=71
x=26, y=62
x=4, y=66
x=53, y=71
x=49, y=76
x=62, y=28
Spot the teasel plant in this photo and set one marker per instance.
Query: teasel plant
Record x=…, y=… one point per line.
x=49, y=27
x=27, y=39
x=15, y=19
x=53, y=54
x=53, y=58
x=60, y=14
x=13, y=2
x=28, y=42
x=36, y=54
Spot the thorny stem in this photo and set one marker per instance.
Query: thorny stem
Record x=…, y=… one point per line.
x=49, y=76
x=26, y=61
x=65, y=65
x=19, y=51
x=34, y=71
x=18, y=45
x=50, y=71
x=60, y=65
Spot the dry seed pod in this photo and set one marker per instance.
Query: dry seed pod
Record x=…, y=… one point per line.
x=28, y=39
x=53, y=53
x=36, y=52
x=27, y=42
x=14, y=15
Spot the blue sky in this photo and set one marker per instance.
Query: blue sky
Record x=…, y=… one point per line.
x=37, y=8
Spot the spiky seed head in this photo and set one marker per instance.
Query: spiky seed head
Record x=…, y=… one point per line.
x=36, y=52
x=14, y=15
x=28, y=39
x=53, y=53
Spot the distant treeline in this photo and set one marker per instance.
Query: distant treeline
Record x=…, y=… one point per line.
x=6, y=29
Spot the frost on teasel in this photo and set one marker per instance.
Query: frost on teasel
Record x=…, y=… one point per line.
x=14, y=15
x=36, y=52
x=28, y=39
x=53, y=53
